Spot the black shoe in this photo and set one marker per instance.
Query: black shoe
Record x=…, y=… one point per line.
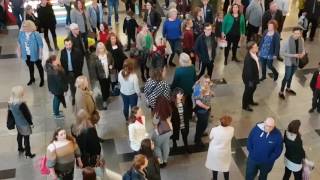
x=275, y=78
x=21, y=150
x=172, y=64
x=41, y=83
x=73, y=102
x=127, y=49
x=280, y=59
x=225, y=62
x=200, y=144
x=30, y=156
x=311, y=39
x=101, y=140
x=262, y=79
x=290, y=91
x=31, y=81
x=235, y=59
x=163, y=165
x=281, y=95
x=254, y=104
x=311, y=110
x=247, y=109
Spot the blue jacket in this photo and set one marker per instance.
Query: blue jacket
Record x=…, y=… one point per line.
x=35, y=45
x=263, y=147
x=275, y=45
x=172, y=29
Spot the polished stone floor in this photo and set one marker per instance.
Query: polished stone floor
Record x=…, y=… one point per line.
x=112, y=126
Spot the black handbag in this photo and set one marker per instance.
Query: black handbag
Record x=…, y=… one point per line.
x=10, y=120
x=303, y=61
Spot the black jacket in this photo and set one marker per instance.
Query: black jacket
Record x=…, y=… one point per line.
x=294, y=149
x=88, y=141
x=313, y=81
x=201, y=48
x=98, y=67
x=208, y=14
x=76, y=60
x=250, y=71
x=267, y=17
x=46, y=16
x=309, y=7
x=155, y=18
x=77, y=43
x=175, y=120
x=130, y=26
x=57, y=80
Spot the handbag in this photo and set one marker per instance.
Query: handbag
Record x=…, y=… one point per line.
x=10, y=120
x=303, y=61
x=44, y=170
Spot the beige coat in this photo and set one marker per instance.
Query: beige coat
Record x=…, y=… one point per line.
x=84, y=101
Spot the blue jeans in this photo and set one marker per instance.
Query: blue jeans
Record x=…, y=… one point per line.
x=129, y=101
x=113, y=4
x=68, y=19
x=56, y=105
x=289, y=72
x=19, y=14
x=253, y=167
x=202, y=124
x=264, y=64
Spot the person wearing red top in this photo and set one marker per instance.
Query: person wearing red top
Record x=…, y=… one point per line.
x=188, y=39
x=315, y=86
x=103, y=33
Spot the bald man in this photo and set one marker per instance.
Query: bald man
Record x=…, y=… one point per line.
x=264, y=146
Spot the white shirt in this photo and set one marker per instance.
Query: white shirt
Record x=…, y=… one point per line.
x=137, y=133
x=105, y=64
x=130, y=85
x=27, y=43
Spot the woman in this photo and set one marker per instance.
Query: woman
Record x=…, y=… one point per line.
x=80, y=16
x=103, y=61
x=219, y=154
x=144, y=46
x=83, y=97
x=198, y=22
x=188, y=39
x=32, y=17
x=179, y=119
x=129, y=87
x=172, y=33
x=57, y=84
x=250, y=76
x=47, y=21
x=87, y=139
x=62, y=153
x=156, y=86
x=137, y=171
x=162, y=129
x=19, y=111
x=30, y=47
x=96, y=14
x=202, y=95
x=103, y=34
x=137, y=128
x=152, y=17
x=295, y=153
x=269, y=48
x=153, y=168
x=233, y=27
x=115, y=47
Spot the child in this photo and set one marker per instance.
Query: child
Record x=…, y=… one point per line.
x=103, y=34
x=188, y=39
x=130, y=26
x=136, y=128
x=303, y=23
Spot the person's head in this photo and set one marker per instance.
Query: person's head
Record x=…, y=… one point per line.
x=188, y=23
x=269, y=124
x=130, y=13
x=104, y=27
x=162, y=108
x=272, y=25
x=44, y=2
x=273, y=6
x=74, y=28
x=205, y=81
x=148, y=5
x=173, y=13
x=144, y=27
x=67, y=43
x=225, y=120
x=197, y=12
x=82, y=83
x=17, y=93
x=304, y=13
x=52, y=60
x=29, y=9
x=101, y=49
x=113, y=39
x=128, y=68
x=28, y=26
x=207, y=29
x=147, y=147
x=82, y=121
x=205, y=2
x=234, y=9
x=220, y=14
x=158, y=74
x=136, y=111
x=177, y=95
x=184, y=60
x=60, y=134
x=79, y=5
x=88, y=173
x=94, y=1
x=140, y=162
x=294, y=126
x=296, y=33
x=252, y=47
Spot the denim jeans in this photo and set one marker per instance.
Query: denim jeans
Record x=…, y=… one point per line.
x=202, y=124
x=113, y=4
x=289, y=72
x=162, y=146
x=175, y=45
x=57, y=99
x=264, y=64
x=253, y=167
x=19, y=14
x=68, y=19
x=128, y=101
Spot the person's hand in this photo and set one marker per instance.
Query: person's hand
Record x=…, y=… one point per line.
x=192, y=54
x=80, y=164
x=110, y=67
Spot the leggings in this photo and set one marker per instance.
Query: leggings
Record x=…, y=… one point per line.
x=215, y=175
x=30, y=65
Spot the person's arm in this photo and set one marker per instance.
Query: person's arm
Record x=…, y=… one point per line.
x=40, y=44
x=251, y=140
x=136, y=84
x=26, y=113
x=124, y=28
x=131, y=133
x=314, y=80
x=285, y=7
x=248, y=10
x=51, y=160
x=164, y=29
x=77, y=154
x=175, y=80
x=211, y=135
x=285, y=51
x=278, y=148
x=277, y=44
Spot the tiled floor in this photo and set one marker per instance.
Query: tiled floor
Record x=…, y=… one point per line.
x=112, y=126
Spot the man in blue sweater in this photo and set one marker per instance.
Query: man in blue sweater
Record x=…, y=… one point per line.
x=264, y=146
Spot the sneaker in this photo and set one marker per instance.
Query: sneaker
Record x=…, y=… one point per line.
x=60, y=112
x=281, y=95
x=254, y=104
x=60, y=116
x=311, y=110
x=290, y=91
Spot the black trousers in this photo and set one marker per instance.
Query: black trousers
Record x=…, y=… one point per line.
x=287, y=174
x=316, y=99
x=131, y=37
x=202, y=124
x=26, y=142
x=130, y=6
x=53, y=34
x=215, y=175
x=105, y=88
x=247, y=97
x=233, y=40
x=143, y=67
x=251, y=30
x=30, y=65
x=281, y=24
x=314, y=24
x=209, y=66
x=71, y=80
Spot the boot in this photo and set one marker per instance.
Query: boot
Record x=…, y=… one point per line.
x=48, y=43
x=55, y=44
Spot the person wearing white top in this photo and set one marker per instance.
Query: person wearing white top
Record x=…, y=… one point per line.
x=137, y=128
x=219, y=153
x=129, y=86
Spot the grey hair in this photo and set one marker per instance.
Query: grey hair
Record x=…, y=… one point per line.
x=184, y=60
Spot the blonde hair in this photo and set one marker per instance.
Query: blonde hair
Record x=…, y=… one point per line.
x=82, y=121
x=100, y=45
x=28, y=24
x=205, y=88
x=171, y=11
x=82, y=83
x=17, y=93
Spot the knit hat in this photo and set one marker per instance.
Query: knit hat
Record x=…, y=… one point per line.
x=73, y=26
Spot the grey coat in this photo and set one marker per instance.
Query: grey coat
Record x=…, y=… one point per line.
x=254, y=13
x=76, y=17
x=22, y=118
x=288, y=51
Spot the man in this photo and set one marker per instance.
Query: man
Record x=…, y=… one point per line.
x=113, y=5
x=272, y=13
x=18, y=11
x=315, y=86
x=250, y=75
x=207, y=12
x=312, y=7
x=205, y=47
x=292, y=51
x=152, y=17
x=264, y=146
x=75, y=37
x=72, y=62
x=254, y=15
x=283, y=5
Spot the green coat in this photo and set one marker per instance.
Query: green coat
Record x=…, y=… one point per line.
x=228, y=22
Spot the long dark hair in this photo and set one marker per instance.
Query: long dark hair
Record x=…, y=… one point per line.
x=145, y=148
x=294, y=127
x=174, y=94
x=56, y=132
x=108, y=43
x=163, y=109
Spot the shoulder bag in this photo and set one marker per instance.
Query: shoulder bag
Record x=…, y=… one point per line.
x=10, y=120
x=303, y=61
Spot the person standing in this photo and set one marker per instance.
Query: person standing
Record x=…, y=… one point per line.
x=283, y=6
x=188, y=39
x=254, y=14
x=272, y=13
x=57, y=84
x=136, y=128
x=152, y=17
x=67, y=5
x=72, y=63
x=265, y=147
x=295, y=153
x=198, y=22
x=30, y=16
x=315, y=87
x=113, y=5
x=115, y=47
x=292, y=51
x=47, y=21
x=250, y=75
x=313, y=14
x=207, y=12
x=95, y=12
x=19, y=112
x=219, y=152
x=30, y=49
x=205, y=48
x=76, y=38
x=233, y=28
x=18, y=11
x=153, y=168
x=130, y=27
x=137, y=171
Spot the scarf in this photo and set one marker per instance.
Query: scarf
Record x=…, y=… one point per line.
x=139, y=119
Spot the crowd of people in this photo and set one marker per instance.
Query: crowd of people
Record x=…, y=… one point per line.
x=194, y=34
